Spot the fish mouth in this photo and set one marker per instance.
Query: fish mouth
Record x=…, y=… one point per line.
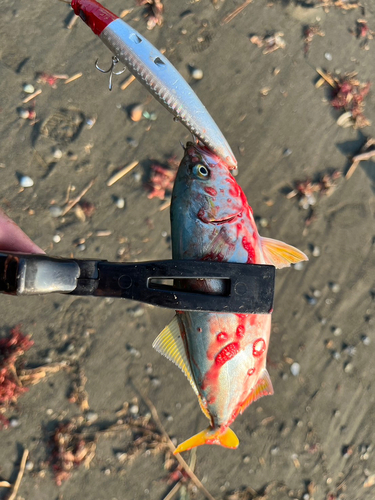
x=217, y=222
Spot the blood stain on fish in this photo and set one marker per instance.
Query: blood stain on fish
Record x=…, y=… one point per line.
x=211, y=191
x=249, y=249
x=259, y=347
x=222, y=337
x=227, y=353
x=250, y=371
x=240, y=332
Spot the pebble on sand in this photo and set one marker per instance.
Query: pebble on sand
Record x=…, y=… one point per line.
x=26, y=181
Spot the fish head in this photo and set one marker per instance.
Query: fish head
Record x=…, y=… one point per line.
x=206, y=188
x=206, y=199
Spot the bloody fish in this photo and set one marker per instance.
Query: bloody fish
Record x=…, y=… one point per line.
x=222, y=354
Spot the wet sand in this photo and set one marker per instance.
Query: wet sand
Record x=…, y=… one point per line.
x=315, y=435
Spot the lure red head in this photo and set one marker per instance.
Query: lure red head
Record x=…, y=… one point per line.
x=93, y=14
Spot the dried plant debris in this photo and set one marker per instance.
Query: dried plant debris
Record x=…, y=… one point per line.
x=69, y=449
x=347, y=95
x=12, y=349
x=269, y=42
x=78, y=394
x=367, y=152
x=162, y=179
x=309, y=31
x=154, y=12
x=308, y=191
x=275, y=490
x=340, y=4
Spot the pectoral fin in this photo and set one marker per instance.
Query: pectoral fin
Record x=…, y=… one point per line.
x=226, y=438
x=280, y=254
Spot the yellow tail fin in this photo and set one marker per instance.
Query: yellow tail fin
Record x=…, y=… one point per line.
x=226, y=438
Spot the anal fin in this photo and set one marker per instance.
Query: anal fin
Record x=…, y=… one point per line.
x=263, y=388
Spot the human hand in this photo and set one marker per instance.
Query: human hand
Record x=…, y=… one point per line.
x=13, y=239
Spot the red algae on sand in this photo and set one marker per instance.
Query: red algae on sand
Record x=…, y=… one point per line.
x=12, y=348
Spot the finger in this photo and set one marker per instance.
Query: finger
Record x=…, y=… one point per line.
x=13, y=239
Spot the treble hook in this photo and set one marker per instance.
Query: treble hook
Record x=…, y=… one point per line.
x=110, y=70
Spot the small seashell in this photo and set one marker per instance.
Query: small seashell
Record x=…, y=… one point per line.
x=90, y=122
x=295, y=369
x=335, y=287
x=26, y=181
x=57, y=153
x=55, y=211
x=366, y=340
x=197, y=74
x=23, y=113
x=136, y=113
x=134, y=409
x=328, y=56
x=29, y=465
x=316, y=251
x=14, y=422
x=28, y=88
x=91, y=417
x=120, y=202
x=56, y=238
x=345, y=120
x=299, y=266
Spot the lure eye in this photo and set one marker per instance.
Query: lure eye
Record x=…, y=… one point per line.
x=201, y=171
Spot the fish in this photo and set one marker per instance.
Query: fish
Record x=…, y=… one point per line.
x=223, y=355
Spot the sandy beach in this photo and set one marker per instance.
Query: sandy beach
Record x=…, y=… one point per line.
x=314, y=438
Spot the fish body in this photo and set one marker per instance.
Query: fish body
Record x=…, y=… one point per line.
x=222, y=354
x=156, y=73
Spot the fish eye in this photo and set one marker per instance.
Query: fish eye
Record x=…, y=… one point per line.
x=201, y=171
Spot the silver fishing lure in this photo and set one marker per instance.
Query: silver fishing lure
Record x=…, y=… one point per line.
x=156, y=73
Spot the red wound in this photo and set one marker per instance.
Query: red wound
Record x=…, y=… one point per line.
x=249, y=249
x=93, y=14
x=259, y=347
x=211, y=191
x=240, y=332
x=222, y=337
x=250, y=371
x=227, y=353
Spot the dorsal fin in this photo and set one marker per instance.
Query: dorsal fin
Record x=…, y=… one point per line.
x=169, y=343
x=280, y=254
x=263, y=388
